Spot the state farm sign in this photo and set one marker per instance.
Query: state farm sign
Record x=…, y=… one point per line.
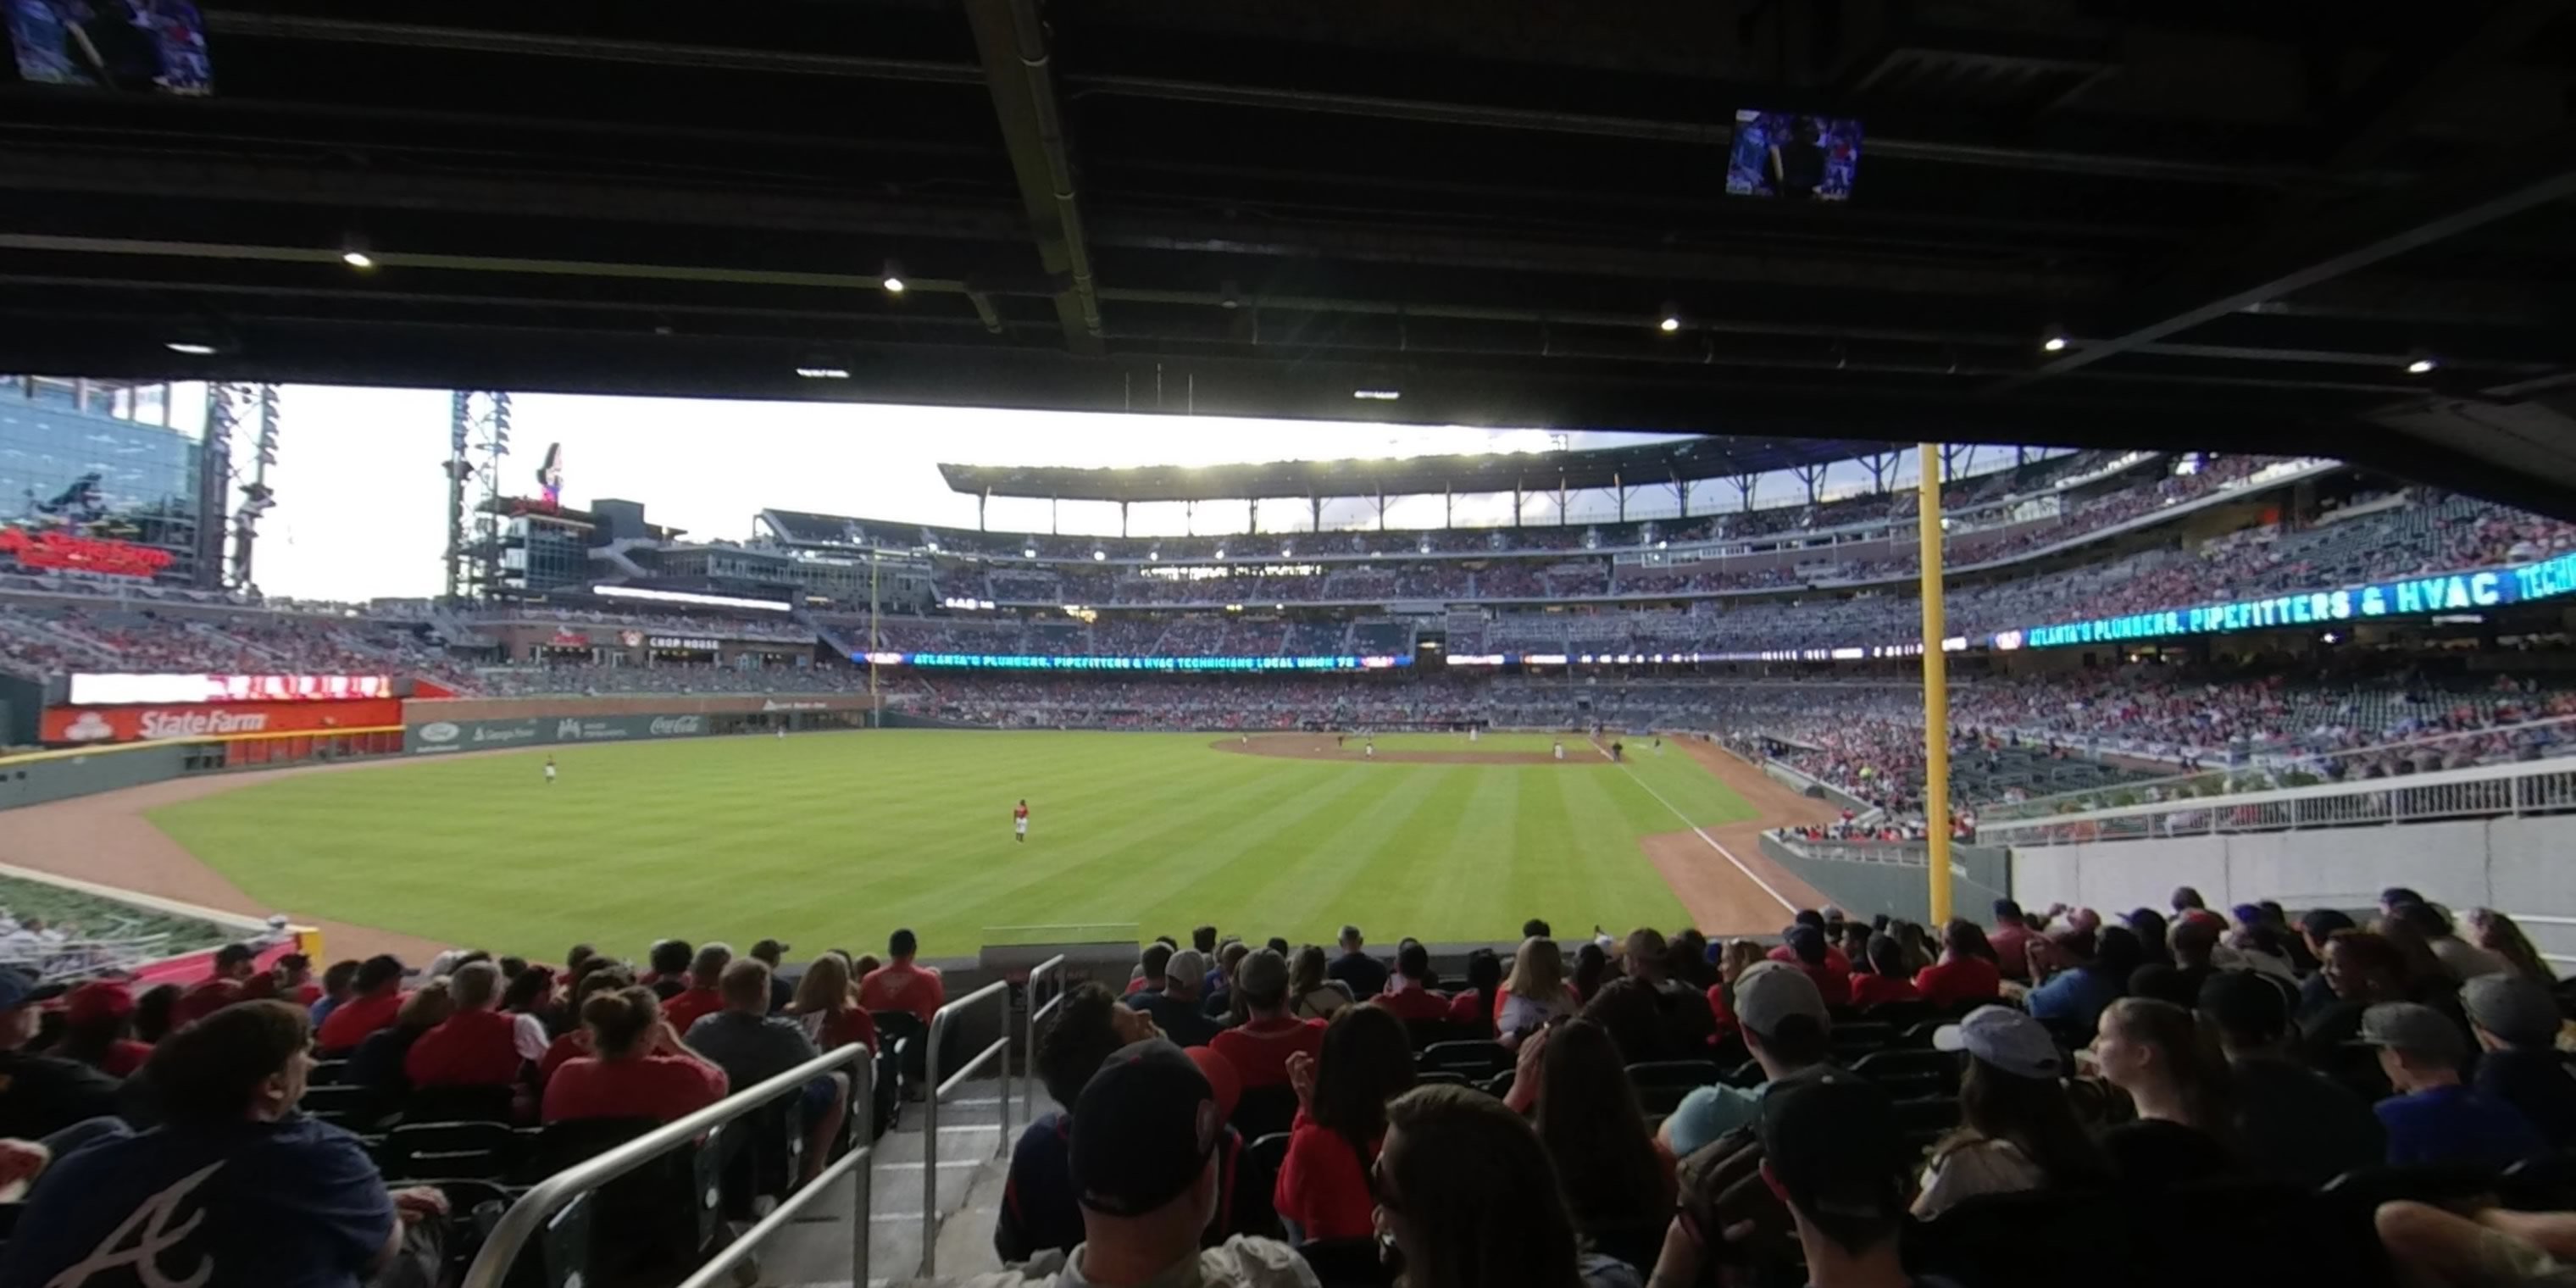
x=76, y=725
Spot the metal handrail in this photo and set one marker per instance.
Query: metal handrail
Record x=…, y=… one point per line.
x=529, y=1214
x=1029, y=1052
x=939, y=1021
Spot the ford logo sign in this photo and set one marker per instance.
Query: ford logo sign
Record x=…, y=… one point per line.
x=440, y=731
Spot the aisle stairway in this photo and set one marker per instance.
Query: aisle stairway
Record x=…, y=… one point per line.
x=972, y=1163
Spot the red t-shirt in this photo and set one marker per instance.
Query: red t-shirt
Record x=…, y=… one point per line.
x=468, y=1049
x=660, y=1087
x=689, y=1007
x=1964, y=979
x=351, y=1021
x=307, y=993
x=904, y=987
x=1323, y=1184
x=204, y=999
x=1870, y=990
x=1259, y=1049
x=836, y=1029
x=1834, y=985
x=124, y=1057
x=571, y=1046
x=1414, y=1003
x=1723, y=1012
x=1469, y=1007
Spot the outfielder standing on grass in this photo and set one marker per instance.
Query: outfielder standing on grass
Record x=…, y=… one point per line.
x=1020, y=821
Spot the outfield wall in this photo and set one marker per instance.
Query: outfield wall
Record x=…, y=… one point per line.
x=53, y=776
x=2515, y=865
x=1867, y=879
x=435, y=726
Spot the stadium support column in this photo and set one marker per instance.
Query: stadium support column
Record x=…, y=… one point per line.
x=1936, y=692
x=876, y=645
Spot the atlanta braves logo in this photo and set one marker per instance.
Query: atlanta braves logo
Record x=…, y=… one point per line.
x=156, y=1235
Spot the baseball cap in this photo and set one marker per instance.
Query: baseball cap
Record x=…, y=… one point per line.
x=1833, y=1143
x=235, y=954
x=2009, y=1040
x=1142, y=1129
x=1225, y=1082
x=2414, y=1028
x=1186, y=965
x=769, y=948
x=99, y=999
x=2512, y=1007
x=19, y=986
x=1263, y=973
x=1770, y=992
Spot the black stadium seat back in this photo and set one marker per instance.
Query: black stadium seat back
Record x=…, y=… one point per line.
x=1926, y=1120
x=1500, y=1085
x=1347, y=1263
x=2031, y=1239
x=2542, y=1184
x=1451, y=1077
x=2261, y=1231
x=1425, y=1033
x=341, y=1106
x=457, y=1105
x=1685, y=1074
x=1900, y=1016
x=658, y=1213
x=1268, y=1152
x=1854, y=1040
x=326, y=1073
x=1909, y=1073
x=2368, y=1187
x=450, y=1151
x=1476, y=1058
x=1265, y=1110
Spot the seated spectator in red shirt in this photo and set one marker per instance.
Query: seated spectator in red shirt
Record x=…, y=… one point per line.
x=234, y=965
x=1323, y=1190
x=376, y=998
x=1476, y=1003
x=701, y=998
x=899, y=985
x=576, y=1044
x=1260, y=1047
x=641, y=1070
x=827, y=1009
x=1834, y=959
x=475, y=1046
x=1885, y=981
x=337, y=986
x=1407, y=997
x=2012, y=940
x=1809, y=954
x=1967, y=972
x=529, y=998
x=1739, y=956
x=667, y=968
x=295, y=984
x=98, y=1029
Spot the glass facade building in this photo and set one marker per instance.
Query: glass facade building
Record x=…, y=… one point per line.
x=94, y=459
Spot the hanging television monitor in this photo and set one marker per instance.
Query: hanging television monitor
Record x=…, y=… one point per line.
x=130, y=46
x=1793, y=156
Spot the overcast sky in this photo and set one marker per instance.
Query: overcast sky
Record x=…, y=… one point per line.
x=361, y=499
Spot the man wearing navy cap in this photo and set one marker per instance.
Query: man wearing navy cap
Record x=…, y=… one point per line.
x=1144, y=1161
x=41, y=1094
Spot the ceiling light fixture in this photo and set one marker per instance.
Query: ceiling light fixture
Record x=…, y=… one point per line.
x=824, y=373
x=2054, y=344
x=893, y=277
x=191, y=348
x=1377, y=395
x=2422, y=364
x=357, y=259
x=1672, y=318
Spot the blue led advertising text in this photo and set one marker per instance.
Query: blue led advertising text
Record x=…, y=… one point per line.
x=1040, y=662
x=2439, y=593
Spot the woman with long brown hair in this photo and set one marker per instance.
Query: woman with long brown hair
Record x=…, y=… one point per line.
x=2175, y=1073
x=1341, y=1116
x=1467, y=1198
x=827, y=1009
x=1312, y=996
x=2497, y=933
x=1589, y=1121
x=2018, y=1131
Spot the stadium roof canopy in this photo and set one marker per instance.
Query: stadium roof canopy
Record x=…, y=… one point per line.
x=2247, y=220
x=1686, y=460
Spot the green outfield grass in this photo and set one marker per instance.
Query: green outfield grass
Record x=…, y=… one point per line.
x=831, y=840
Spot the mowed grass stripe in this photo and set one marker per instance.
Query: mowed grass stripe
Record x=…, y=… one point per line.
x=835, y=839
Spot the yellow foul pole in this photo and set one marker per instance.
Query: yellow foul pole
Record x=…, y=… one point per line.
x=1936, y=691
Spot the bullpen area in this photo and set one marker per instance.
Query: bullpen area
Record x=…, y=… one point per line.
x=830, y=840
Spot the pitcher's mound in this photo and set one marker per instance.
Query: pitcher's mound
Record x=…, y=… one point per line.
x=1321, y=746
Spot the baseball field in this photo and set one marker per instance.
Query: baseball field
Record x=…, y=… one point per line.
x=831, y=840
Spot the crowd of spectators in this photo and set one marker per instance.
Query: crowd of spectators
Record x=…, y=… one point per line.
x=1833, y=1105
x=667, y=623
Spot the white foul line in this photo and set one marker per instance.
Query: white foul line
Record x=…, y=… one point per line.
x=1722, y=851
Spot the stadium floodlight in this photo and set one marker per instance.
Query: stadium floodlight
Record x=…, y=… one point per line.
x=688, y=597
x=892, y=279
x=1099, y=556
x=1220, y=552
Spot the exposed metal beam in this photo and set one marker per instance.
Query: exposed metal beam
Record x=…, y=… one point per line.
x=2303, y=252
x=1014, y=48
x=2426, y=75
x=532, y=44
